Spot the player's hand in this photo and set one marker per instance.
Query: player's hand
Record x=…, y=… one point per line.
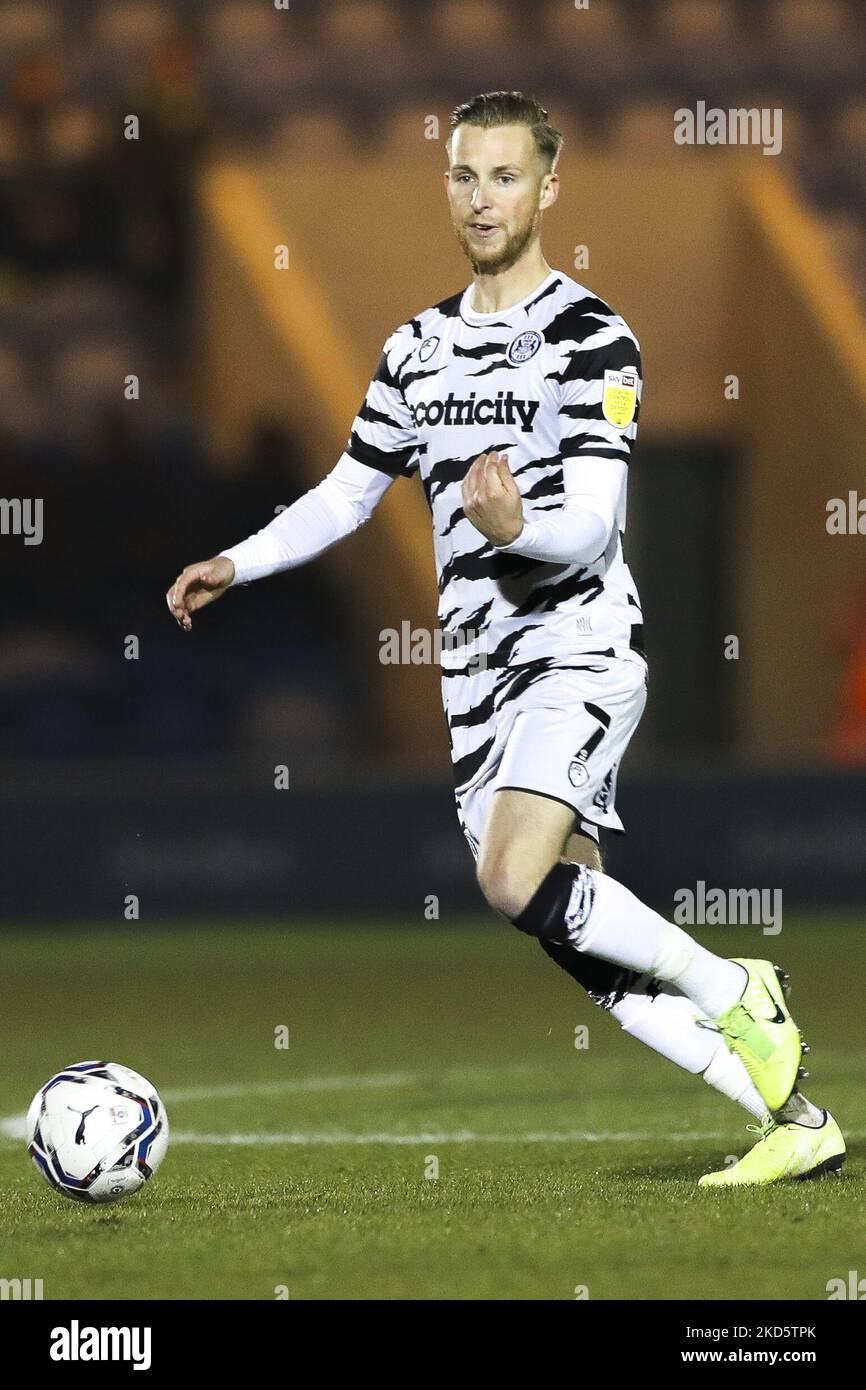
x=197, y=586
x=491, y=500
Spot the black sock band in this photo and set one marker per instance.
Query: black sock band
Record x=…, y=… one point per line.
x=559, y=906
x=605, y=983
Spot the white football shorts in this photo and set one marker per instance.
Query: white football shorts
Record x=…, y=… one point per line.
x=564, y=738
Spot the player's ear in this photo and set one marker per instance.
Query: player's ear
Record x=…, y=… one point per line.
x=550, y=190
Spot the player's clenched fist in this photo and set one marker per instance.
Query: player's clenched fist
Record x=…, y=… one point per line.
x=491, y=500
x=198, y=585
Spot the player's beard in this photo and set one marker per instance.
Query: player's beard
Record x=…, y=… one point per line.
x=495, y=262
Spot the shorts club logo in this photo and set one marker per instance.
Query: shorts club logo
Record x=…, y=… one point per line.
x=578, y=773
x=524, y=346
x=619, y=402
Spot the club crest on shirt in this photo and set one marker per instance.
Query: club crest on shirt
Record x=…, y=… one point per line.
x=619, y=402
x=524, y=346
x=427, y=348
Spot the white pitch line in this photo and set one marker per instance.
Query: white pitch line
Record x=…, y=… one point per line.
x=12, y=1127
x=299, y=1086
x=309, y=1085
x=469, y=1136
x=460, y=1136
x=351, y=1081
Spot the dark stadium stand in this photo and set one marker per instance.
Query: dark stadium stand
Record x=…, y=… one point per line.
x=95, y=278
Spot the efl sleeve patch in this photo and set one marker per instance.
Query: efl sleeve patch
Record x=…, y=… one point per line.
x=619, y=401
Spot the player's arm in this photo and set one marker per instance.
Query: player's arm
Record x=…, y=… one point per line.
x=383, y=446
x=599, y=402
x=342, y=502
x=575, y=532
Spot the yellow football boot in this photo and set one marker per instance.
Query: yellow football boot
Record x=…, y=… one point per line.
x=785, y=1151
x=761, y=1031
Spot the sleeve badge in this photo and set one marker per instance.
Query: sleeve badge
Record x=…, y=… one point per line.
x=619, y=402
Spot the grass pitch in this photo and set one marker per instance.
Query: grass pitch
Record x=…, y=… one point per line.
x=413, y=1049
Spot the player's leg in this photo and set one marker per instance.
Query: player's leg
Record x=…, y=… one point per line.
x=539, y=786
x=580, y=848
x=585, y=908
x=523, y=839
x=657, y=1015
x=798, y=1137
x=522, y=875
x=799, y=1141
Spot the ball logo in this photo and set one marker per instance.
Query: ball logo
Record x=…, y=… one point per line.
x=524, y=346
x=427, y=348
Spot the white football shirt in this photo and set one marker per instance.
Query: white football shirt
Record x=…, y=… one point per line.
x=555, y=377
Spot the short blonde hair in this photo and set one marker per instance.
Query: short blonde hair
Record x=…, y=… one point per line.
x=510, y=108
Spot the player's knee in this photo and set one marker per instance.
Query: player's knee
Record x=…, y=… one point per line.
x=506, y=887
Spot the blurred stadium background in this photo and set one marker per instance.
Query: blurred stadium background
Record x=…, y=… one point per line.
x=315, y=128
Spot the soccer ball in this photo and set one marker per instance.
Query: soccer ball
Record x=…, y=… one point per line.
x=97, y=1131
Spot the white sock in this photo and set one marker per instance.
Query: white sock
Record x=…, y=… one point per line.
x=666, y=1022
x=727, y=1074
x=622, y=929
x=798, y=1110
